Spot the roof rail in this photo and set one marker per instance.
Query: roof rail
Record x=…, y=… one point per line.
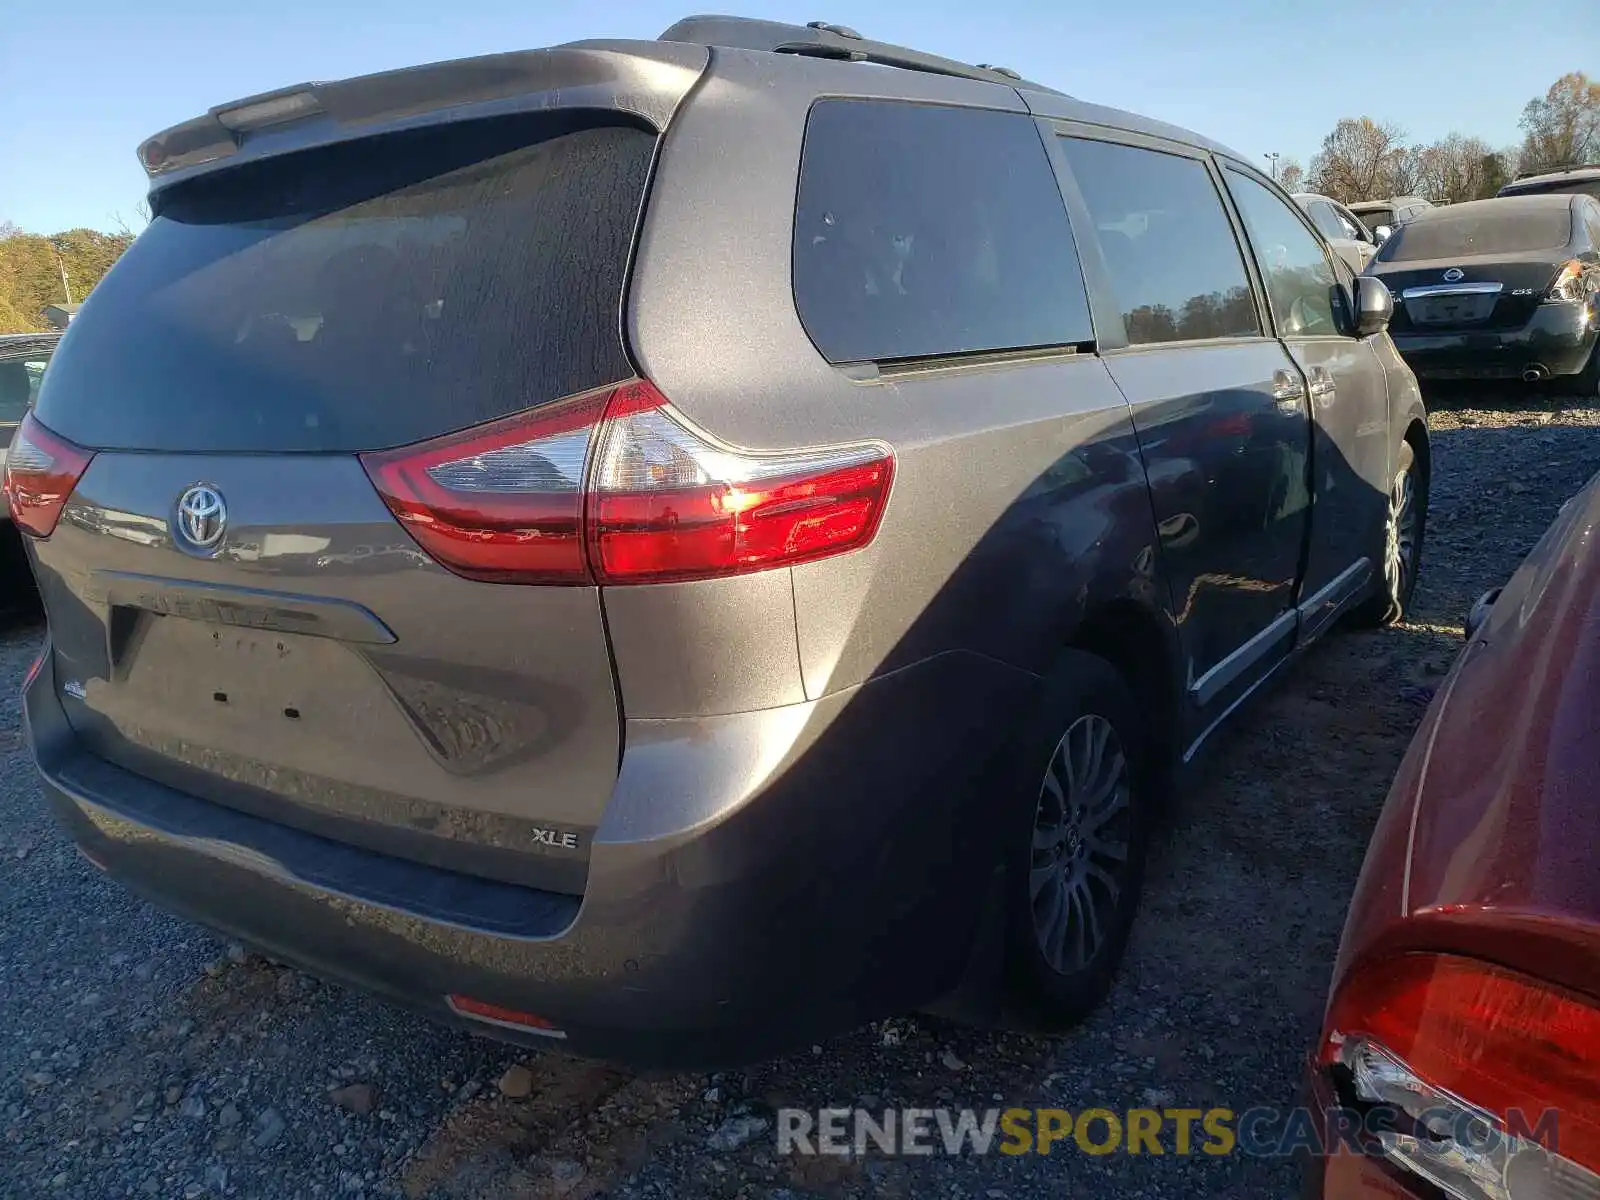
x=822, y=40
x=1563, y=169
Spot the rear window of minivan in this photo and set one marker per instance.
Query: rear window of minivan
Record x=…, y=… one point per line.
x=362, y=296
x=924, y=231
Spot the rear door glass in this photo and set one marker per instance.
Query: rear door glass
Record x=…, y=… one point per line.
x=925, y=231
x=360, y=297
x=1174, y=262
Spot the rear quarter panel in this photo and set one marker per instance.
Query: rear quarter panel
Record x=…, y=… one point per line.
x=1019, y=498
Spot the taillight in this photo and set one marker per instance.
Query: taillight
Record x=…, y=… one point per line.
x=615, y=486
x=41, y=471
x=1500, y=1072
x=670, y=503
x=502, y=501
x=1568, y=287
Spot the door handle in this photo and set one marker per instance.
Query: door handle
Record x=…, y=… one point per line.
x=1286, y=386
x=1323, y=389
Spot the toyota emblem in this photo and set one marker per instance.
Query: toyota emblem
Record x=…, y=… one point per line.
x=1454, y=275
x=202, y=517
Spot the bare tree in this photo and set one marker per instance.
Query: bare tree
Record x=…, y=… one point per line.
x=1361, y=160
x=141, y=218
x=1292, y=175
x=1563, y=126
x=1456, y=168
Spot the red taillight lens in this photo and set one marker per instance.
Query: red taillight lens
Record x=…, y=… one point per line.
x=502, y=501
x=615, y=486
x=671, y=503
x=41, y=471
x=1494, y=1038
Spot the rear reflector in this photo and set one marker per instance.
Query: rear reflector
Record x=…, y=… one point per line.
x=616, y=486
x=1503, y=1043
x=494, y=1014
x=41, y=471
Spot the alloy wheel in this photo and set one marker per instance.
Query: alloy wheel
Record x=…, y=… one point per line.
x=1400, y=554
x=1080, y=843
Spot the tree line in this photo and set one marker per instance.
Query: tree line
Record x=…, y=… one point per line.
x=1365, y=159
x=37, y=271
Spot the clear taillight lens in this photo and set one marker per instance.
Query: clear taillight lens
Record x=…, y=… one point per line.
x=501, y=502
x=671, y=503
x=41, y=471
x=1569, y=286
x=615, y=486
x=1497, y=1074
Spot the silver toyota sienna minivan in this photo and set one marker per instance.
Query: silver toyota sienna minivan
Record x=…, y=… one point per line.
x=685, y=546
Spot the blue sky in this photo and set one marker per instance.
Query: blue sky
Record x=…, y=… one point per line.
x=82, y=82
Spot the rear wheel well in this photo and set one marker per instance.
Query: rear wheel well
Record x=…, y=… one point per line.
x=1132, y=640
x=1417, y=435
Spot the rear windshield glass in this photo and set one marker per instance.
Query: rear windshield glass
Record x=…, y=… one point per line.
x=363, y=297
x=1494, y=227
x=1372, y=218
x=1581, y=187
x=923, y=231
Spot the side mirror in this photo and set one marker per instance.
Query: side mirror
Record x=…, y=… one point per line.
x=1382, y=232
x=1374, y=306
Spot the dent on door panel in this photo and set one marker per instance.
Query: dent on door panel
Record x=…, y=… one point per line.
x=1227, y=462
x=1019, y=501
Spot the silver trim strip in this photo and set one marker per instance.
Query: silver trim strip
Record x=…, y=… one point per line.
x=1205, y=689
x=1333, y=595
x=1195, y=745
x=1453, y=289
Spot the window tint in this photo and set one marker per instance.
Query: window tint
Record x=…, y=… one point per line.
x=1583, y=187
x=924, y=231
x=1349, y=224
x=369, y=295
x=1174, y=261
x=1300, y=279
x=16, y=390
x=1327, y=220
x=1505, y=226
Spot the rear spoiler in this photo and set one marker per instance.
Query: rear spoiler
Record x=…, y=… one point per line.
x=646, y=80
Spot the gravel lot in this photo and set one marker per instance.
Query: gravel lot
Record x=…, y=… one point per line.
x=139, y=1057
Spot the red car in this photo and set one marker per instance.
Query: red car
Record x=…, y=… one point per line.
x=1460, y=1051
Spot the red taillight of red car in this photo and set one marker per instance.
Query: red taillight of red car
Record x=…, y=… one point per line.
x=617, y=487
x=41, y=471
x=1443, y=1032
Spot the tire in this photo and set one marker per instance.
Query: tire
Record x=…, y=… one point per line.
x=1402, y=555
x=1074, y=855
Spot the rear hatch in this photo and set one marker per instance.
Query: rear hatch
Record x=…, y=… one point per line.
x=313, y=664
x=1472, y=271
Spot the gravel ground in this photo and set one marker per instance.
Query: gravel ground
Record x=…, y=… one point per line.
x=140, y=1057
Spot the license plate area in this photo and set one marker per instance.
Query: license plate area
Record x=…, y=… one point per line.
x=1451, y=308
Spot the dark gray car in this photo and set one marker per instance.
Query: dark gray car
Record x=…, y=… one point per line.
x=1499, y=289
x=686, y=546
x=23, y=358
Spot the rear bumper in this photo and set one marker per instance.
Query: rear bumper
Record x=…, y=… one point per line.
x=1558, y=337
x=825, y=865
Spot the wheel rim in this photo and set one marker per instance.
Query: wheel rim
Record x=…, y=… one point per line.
x=1401, y=553
x=1080, y=843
